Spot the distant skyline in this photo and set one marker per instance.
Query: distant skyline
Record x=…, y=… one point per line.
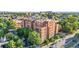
x=39, y=5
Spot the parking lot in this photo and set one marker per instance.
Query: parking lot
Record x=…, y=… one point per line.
x=72, y=43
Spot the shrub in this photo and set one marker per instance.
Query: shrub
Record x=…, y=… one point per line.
x=46, y=41
x=57, y=37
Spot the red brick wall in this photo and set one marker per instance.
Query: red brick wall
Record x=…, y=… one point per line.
x=50, y=29
x=46, y=29
x=56, y=28
x=43, y=33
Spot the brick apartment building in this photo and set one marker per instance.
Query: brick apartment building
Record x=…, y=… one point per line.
x=17, y=23
x=46, y=28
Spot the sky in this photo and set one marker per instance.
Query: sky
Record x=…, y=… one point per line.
x=39, y=5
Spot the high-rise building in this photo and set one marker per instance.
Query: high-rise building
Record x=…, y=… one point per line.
x=46, y=28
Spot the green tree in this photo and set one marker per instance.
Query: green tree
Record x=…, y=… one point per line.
x=9, y=24
x=23, y=32
x=9, y=36
x=34, y=38
x=11, y=44
x=3, y=25
x=1, y=20
x=46, y=42
x=14, y=41
x=69, y=24
x=57, y=37
x=6, y=24
x=1, y=33
x=19, y=43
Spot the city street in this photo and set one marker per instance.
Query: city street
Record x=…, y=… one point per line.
x=62, y=41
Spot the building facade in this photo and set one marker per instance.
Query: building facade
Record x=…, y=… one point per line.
x=17, y=23
x=46, y=28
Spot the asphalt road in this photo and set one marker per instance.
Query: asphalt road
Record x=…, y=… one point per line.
x=63, y=40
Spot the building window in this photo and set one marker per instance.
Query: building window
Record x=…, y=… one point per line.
x=27, y=26
x=37, y=30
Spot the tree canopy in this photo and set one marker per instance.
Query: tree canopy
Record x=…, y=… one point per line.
x=34, y=38
x=23, y=32
x=69, y=24
x=14, y=41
